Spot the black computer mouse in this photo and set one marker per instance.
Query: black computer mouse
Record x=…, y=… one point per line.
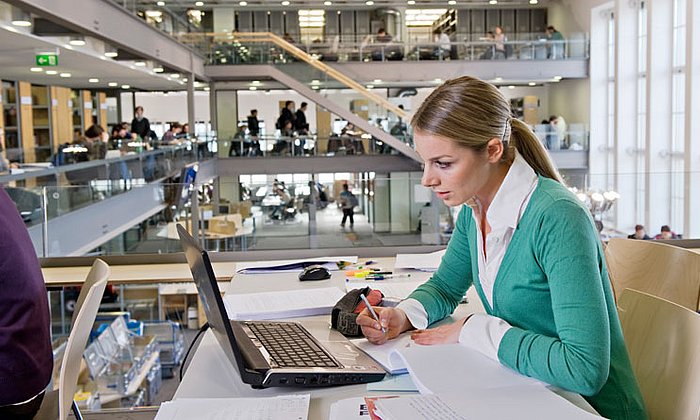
x=315, y=272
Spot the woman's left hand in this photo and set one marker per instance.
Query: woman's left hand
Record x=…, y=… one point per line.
x=444, y=334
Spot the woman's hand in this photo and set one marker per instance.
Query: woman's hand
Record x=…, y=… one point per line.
x=444, y=334
x=393, y=320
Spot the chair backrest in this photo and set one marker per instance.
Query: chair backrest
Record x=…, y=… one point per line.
x=662, y=270
x=98, y=271
x=86, y=311
x=663, y=339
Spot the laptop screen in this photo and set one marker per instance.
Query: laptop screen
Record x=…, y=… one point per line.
x=209, y=294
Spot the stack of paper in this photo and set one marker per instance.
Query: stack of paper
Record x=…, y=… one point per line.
x=385, y=354
x=291, y=265
x=282, y=304
x=423, y=262
x=284, y=407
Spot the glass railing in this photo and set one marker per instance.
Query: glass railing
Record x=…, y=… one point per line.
x=225, y=49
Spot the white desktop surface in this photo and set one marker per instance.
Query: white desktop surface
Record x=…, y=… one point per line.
x=210, y=375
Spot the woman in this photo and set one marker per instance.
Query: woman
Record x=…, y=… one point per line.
x=526, y=244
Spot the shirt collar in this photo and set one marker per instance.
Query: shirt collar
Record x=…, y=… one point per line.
x=508, y=205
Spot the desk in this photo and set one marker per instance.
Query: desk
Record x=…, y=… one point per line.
x=211, y=375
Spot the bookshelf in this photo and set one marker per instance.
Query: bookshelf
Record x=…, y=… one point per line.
x=10, y=121
x=41, y=123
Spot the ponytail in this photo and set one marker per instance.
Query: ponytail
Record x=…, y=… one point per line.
x=531, y=149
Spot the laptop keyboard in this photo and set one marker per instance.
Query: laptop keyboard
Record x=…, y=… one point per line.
x=290, y=345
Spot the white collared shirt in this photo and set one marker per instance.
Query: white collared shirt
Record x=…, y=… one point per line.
x=484, y=332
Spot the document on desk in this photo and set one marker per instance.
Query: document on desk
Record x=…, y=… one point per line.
x=422, y=262
x=292, y=266
x=283, y=407
x=385, y=354
x=389, y=288
x=282, y=304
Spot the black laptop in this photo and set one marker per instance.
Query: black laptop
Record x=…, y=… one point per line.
x=268, y=354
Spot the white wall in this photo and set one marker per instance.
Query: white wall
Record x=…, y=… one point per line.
x=571, y=99
x=161, y=107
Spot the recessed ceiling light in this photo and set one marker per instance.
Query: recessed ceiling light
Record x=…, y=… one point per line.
x=77, y=41
x=93, y=80
x=438, y=80
x=452, y=2
x=253, y=88
x=493, y=1
x=65, y=75
x=255, y=82
x=111, y=54
x=314, y=87
x=558, y=77
x=36, y=69
x=511, y=87
x=126, y=86
x=161, y=3
x=532, y=84
x=158, y=69
x=139, y=63
x=241, y=3
x=411, y=2
x=112, y=84
x=377, y=81
x=175, y=75
x=207, y=88
x=533, y=2
x=327, y=3
x=370, y=86
x=285, y=3
x=51, y=72
x=498, y=79
x=315, y=82
x=199, y=3
x=369, y=2
x=22, y=22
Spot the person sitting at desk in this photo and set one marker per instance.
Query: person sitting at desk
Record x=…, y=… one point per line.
x=550, y=310
x=639, y=233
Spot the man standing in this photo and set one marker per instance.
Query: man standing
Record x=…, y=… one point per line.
x=555, y=49
x=26, y=359
x=140, y=125
x=300, y=123
x=253, y=123
x=348, y=201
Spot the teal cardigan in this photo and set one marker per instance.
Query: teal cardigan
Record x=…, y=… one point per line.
x=553, y=289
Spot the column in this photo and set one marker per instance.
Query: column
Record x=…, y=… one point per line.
x=692, y=123
x=382, y=203
x=226, y=118
x=598, y=154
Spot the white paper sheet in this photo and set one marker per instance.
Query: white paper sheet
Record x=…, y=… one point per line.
x=290, y=266
x=284, y=407
x=282, y=304
x=422, y=262
x=393, y=383
x=349, y=409
x=382, y=354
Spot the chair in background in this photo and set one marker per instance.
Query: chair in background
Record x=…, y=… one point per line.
x=662, y=270
x=86, y=308
x=662, y=339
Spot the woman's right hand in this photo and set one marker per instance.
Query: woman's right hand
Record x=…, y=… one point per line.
x=393, y=320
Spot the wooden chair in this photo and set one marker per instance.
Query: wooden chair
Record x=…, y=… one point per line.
x=662, y=270
x=662, y=340
x=60, y=402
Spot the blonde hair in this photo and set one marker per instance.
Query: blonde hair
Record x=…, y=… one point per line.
x=471, y=112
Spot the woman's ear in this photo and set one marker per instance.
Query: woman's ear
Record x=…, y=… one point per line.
x=495, y=150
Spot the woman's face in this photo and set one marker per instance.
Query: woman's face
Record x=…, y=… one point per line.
x=454, y=173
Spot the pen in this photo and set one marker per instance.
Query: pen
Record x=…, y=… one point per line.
x=371, y=311
x=386, y=276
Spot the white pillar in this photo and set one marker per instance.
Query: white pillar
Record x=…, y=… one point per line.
x=659, y=106
x=692, y=123
x=224, y=19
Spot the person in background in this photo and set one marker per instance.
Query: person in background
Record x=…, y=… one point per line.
x=139, y=125
x=550, y=309
x=300, y=123
x=239, y=144
x=559, y=132
x=639, y=233
x=500, y=46
x=286, y=114
x=26, y=358
x=184, y=133
x=490, y=51
x=117, y=140
x=442, y=49
x=172, y=133
x=253, y=123
x=666, y=233
x=347, y=204
x=96, y=139
x=555, y=46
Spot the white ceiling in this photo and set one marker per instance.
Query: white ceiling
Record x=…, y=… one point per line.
x=17, y=56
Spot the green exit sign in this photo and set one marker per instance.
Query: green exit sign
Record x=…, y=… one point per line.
x=46, y=60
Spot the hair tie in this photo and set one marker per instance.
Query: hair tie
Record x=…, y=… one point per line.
x=506, y=130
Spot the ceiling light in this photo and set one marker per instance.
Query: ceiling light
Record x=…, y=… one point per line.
x=77, y=41
x=199, y=3
x=438, y=80
x=452, y=2
x=285, y=3
x=36, y=69
x=207, y=88
x=533, y=2
x=557, y=78
x=253, y=88
x=161, y=3
x=112, y=84
x=154, y=13
x=158, y=69
x=20, y=18
x=175, y=75
x=315, y=82
x=370, y=86
x=111, y=52
x=493, y=1
x=255, y=82
x=125, y=86
x=498, y=79
x=377, y=81
x=369, y=2
x=532, y=84
x=241, y=3
x=51, y=72
x=511, y=87
x=327, y=3
x=65, y=75
x=411, y=2
x=314, y=87
x=93, y=80
x=139, y=63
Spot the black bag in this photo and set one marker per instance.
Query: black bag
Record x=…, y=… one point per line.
x=343, y=317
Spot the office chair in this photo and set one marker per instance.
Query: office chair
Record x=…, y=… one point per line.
x=662, y=270
x=662, y=339
x=86, y=308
